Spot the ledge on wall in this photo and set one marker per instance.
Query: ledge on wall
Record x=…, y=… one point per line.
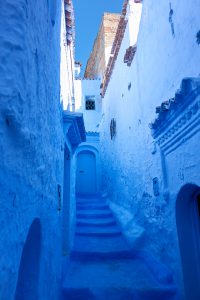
x=74, y=128
x=178, y=117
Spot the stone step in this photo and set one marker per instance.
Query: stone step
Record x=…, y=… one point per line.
x=120, y=293
x=98, y=255
x=108, y=231
x=89, y=200
x=115, y=279
x=96, y=222
x=88, y=196
x=96, y=203
x=100, y=206
x=87, y=246
x=95, y=213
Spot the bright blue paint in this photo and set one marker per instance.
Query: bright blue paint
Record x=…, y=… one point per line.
x=88, y=16
x=86, y=172
x=28, y=276
x=102, y=264
x=31, y=169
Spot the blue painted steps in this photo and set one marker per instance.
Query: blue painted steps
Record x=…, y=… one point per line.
x=96, y=222
x=101, y=206
x=114, y=279
x=99, y=221
x=91, y=230
x=93, y=214
x=100, y=246
x=102, y=265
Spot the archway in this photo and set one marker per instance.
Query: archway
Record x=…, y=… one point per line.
x=86, y=181
x=28, y=274
x=188, y=227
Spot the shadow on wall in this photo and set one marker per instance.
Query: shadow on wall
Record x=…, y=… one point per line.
x=52, y=5
x=28, y=275
x=188, y=227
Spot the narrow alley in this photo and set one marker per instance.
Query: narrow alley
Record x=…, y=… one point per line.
x=99, y=144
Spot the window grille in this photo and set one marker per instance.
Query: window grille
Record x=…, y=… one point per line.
x=89, y=103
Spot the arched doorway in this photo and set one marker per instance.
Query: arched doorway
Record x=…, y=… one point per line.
x=28, y=274
x=86, y=172
x=188, y=227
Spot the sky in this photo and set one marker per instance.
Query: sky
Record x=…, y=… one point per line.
x=88, y=14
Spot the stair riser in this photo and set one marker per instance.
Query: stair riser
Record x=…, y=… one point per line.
x=100, y=224
x=95, y=207
x=80, y=294
x=98, y=234
x=130, y=293
x=95, y=256
x=92, y=216
x=100, y=229
x=90, y=202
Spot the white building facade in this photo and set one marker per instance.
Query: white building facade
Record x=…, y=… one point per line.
x=143, y=171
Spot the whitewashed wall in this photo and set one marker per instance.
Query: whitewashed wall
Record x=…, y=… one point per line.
x=162, y=60
x=66, y=67
x=87, y=87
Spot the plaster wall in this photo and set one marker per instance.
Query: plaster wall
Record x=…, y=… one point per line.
x=31, y=139
x=87, y=87
x=78, y=94
x=167, y=52
x=66, y=67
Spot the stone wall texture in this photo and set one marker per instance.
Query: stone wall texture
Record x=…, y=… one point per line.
x=167, y=51
x=31, y=139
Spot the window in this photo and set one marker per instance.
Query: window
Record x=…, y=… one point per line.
x=90, y=102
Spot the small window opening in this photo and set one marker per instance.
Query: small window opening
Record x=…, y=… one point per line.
x=90, y=104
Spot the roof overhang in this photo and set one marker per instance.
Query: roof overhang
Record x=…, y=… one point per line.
x=74, y=128
x=178, y=118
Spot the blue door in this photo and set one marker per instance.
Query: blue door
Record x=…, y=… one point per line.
x=86, y=173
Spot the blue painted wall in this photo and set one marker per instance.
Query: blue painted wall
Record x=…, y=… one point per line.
x=31, y=147
x=133, y=159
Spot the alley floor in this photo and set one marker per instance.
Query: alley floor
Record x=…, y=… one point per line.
x=103, y=266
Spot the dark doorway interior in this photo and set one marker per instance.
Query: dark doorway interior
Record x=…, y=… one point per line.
x=188, y=228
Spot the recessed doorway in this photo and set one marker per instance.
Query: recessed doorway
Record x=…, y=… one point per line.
x=86, y=173
x=188, y=228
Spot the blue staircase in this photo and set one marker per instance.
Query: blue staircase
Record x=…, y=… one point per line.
x=102, y=265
